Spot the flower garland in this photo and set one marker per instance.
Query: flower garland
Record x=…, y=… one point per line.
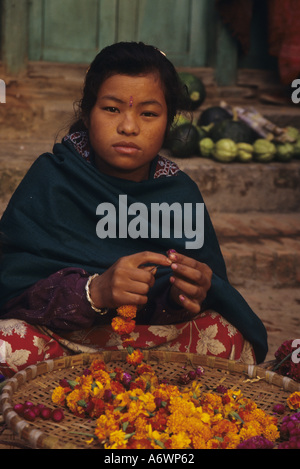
x=123, y=324
x=137, y=411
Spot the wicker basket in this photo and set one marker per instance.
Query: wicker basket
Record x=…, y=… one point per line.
x=36, y=384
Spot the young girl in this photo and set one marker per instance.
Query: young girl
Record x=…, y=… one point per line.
x=61, y=280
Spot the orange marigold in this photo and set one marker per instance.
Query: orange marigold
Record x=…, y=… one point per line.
x=59, y=396
x=293, y=401
x=127, y=311
x=135, y=358
x=122, y=326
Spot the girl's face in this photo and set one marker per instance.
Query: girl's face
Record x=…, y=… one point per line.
x=127, y=125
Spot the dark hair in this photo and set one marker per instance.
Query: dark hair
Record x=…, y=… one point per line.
x=130, y=58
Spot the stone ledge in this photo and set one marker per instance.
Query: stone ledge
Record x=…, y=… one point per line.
x=233, y=187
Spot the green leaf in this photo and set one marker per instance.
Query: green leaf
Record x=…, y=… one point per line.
x=124, y=426
x=72, y=383
x=120, y=408
x=236, y=416
x=82, y=403
x=159, y=443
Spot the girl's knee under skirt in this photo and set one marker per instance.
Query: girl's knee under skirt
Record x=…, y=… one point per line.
x=22, y=345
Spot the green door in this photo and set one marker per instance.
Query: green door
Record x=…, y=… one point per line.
x=74, y=30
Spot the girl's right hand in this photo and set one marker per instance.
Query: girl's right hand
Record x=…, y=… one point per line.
x=127, y=281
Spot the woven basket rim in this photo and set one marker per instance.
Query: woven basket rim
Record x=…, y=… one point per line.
x=38, y=439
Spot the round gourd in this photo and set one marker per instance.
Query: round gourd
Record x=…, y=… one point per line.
x=196, y=90
x=284, y=152
x=212, y=115
x=183, y=141
x=206, y=146
x=263, y=150
x=237, y=131
x=244, y=152
x=225, y=150
x=293, y=133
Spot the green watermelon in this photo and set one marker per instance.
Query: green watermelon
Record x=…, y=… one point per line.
x=196, y=90
x=213, y=114
x=183, y=141
x=237, y=131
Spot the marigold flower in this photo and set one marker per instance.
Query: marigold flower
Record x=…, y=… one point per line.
x=146, y=414
x=59, y=396
x=135, y=358
x=293, y=401
x=117, y=440
x=127, y=311
x=180, y=441
x=122, y=326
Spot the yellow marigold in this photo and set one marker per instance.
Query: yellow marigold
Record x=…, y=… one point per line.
x=250, y=429
x=85, y=383
x=136, y=409
x=180, y=441
x=178, y=404
x=72, y=400
x=176, y=422
x=102, y=376
x=123, y=398
x=293, y=401
x=148, y=401
x=156, y=436
x=198, y=442
x=211, y=402
x=117, y=440
x=98, y=391
x=59, y=396
x=127, y=311
x=140, y=427
x=165, y=391
x=271, y=432
x=197, y=426
x=230, y=441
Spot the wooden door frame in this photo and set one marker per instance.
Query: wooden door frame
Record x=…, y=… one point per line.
x=14, y=43
x=14, y=37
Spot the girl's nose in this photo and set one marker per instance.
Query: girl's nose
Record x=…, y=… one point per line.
x=128, y=124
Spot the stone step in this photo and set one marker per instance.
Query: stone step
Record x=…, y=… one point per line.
x=260, y=247
x=234, y=187
x=238, y=187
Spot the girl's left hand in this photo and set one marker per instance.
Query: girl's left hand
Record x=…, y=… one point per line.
x=190, y=281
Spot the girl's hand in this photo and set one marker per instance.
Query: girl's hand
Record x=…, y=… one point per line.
x=190, y=281
x=127, y=281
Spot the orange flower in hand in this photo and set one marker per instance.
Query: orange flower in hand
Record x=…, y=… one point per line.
x=122, y=326
x=127, y=311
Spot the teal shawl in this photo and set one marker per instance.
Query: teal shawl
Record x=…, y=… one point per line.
x=50, y=224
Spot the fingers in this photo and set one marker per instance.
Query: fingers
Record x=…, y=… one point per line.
x=147, y=257
x=190, y=281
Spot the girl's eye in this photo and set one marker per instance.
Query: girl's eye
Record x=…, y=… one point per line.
x=149, y=114
x=111, y=109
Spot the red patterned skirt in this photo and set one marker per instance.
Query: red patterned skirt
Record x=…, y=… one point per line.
x=22, y=345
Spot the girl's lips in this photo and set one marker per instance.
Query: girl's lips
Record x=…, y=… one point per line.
x=126, y=148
